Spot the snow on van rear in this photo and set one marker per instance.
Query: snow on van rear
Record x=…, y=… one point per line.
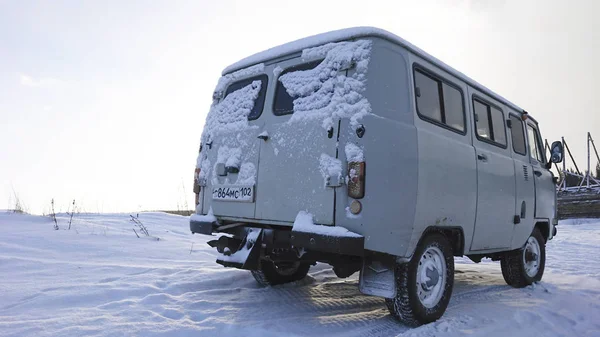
x=354, y=153
x=231, y=114
x=325, y=91
x=226, y=80
x=304, y=223
x=330, y=167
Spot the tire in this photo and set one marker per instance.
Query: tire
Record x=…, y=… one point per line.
x=270, y=274
x=524, y=266
x=417, y=300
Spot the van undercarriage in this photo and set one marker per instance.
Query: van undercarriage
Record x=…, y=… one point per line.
x=281, y=245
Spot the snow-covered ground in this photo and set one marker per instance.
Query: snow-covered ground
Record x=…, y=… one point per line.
x=99, y=279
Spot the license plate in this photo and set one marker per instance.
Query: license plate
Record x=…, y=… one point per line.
x=233, y=193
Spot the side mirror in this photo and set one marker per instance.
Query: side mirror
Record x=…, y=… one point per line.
x=556, y=152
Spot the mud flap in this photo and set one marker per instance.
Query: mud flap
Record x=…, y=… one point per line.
x=247, y=255
x=377, y=276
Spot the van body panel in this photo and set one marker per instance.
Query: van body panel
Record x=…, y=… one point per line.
x=545, y=194
x=495, y=186
x=524, y=189
x=289, y=176
x=387, y=215
x=447, y=173
x=289, y=179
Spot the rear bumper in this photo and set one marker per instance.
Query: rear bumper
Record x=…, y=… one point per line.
x=329, y=244
x=344, y=245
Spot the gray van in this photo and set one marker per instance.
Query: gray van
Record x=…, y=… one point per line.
x=357, y=149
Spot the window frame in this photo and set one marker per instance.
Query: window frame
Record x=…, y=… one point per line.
x=283, y=72
x=539, y=144
x=440, y=80
x=264, y=78
x=524, y=129
x=489, y=105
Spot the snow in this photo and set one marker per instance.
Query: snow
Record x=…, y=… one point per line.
x=324, y=92
x=354, y=153
x=99, y=279
x=231, y=114
x=247, y=175
x=249, y=71
x=241, y=255
x=232, y=157
x=205, y=168
x=330, y=167
x=304, y=223
x=209, y=217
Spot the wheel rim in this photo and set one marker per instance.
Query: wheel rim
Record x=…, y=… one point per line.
x=531, y=257
x=286, y=268
x=431, y=277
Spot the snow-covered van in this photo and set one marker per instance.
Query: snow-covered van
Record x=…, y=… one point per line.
x=357, y=149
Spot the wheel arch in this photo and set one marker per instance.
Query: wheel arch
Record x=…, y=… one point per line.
x=455, y=236
x=544, y=227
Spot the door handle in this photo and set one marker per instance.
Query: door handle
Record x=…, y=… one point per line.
x=537, y=173
x=482, y=157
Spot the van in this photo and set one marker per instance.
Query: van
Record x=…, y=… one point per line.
x=357, y=149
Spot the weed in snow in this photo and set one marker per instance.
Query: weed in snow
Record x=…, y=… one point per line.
x=53, y=214
x=140, y=226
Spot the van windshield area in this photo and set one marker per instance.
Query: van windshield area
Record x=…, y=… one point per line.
x=535, y=144
x=260, y=100
x=284, y=103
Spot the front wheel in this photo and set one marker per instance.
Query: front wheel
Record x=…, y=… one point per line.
x=424, y=285
x=524, y=266
x=270, y=273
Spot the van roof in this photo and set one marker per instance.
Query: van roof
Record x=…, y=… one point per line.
x=352, y=33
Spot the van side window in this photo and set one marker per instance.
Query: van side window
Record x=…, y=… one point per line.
x=489, y=122
x=518, y=135
x=284, y=103
x=260, y=100
x=438, y=101
x=535, y=148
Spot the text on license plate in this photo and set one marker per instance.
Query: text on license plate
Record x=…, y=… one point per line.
x=233, y=193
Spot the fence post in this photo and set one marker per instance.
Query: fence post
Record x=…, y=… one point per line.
x=588, y=153
x=564, y=182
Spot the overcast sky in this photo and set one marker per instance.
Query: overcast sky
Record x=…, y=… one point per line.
x=104, y=101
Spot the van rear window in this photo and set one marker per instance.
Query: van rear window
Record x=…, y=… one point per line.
x=260, y=100
x=284, y=103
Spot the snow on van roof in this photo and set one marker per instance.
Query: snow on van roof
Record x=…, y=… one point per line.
x=352, y=33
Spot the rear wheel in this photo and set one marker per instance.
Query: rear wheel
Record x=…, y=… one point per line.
x=424, y=285
x=524, y=266
x=270, y=273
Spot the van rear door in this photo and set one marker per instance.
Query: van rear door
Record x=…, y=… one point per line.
x=230, y=151
x=298, y=166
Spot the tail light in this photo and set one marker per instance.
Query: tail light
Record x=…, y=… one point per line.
x=356, y=180
x=196, y=185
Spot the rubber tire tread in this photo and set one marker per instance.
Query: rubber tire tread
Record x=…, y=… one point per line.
x=267, y=274
x=513, y=268
x=406, y=306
